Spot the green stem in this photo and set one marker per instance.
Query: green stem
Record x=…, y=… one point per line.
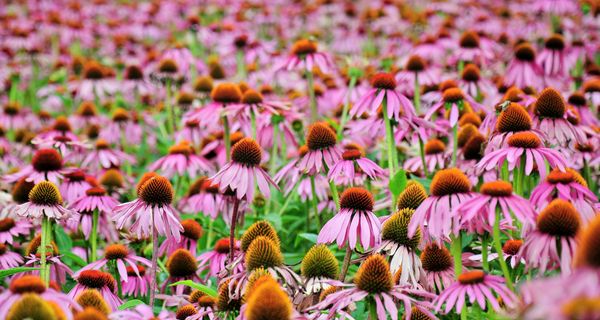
x=289, y=198
x=117, y=278
x=391, y=148
x=346, y=264
x=504, y=174
x=334, y=194
x=484, y=252
x=170, y=110
x=372, y=309
x=154, y=264
x=314, y=200
x=311, y=94
x=422, y=154
x=587, y=175
x=454, y=144
x=241, y=66
x=456, y=249
x=211, y=232
x=227, y=138
x=461, y=66
x=498, y=248
x=344, y=117
x=417, y=95
x=94, y=237
x=44, y=241
x=520, y=176
x=253, y=124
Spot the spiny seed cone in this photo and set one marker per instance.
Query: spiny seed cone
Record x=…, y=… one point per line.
x=6, y=224
x=320, y=136
x=453, y=95
x=102, y=144
x=513, y=119
x=436, y=258
x=224, y=303
x=471, y=73
x=89, y=314
x=497, y=189
x=93, y=299
x=470, y=118
x=384, y=81
x=269, y=302
x=252, y=97
x=95, y=192
x=226, y=93
x=263, y=252
x=32, y=307
x=206, y=302
x=195, y=295
x=412, y=196
x=145, y=177
x=471, y=277
x=591, y=86
x=581, y=308
x=472, y=150
x=222, y=246
x=87, y=109
x=27, y=284
x=247, y=152
x=20, y=191
x=236, y=137
x=93, y=71
x=356, y=198
x=181, y=148
x=112, y=179
x=524, y=139
x=556, y=176
x=34, y=247
x=45, y=193
x=465, y=133
x=131, y=272
x=196, y=186
x=181, y=264
x=395, y=229
x=512, y=94
x=260, y=228
x=255, y=279
x=120, y=115
x=374, y=275
x=588, y=251
x=417, y=314
x=45, y=160
x=185, y=311
x=525, y=52
x=61, y=124
x=191, y=229
x=415, y=64
x=512, y=246
x=469, y=39
x=304, y=47
x=447, y=84
x=134, y=73
x=168, y=66
x=319, y=261
x=116, y=251
x=157, y=191
x=449, y=181
x=550, y=104
x=555, y=42
x=96, y=279
x=203, y=84
x=435, y=146
x=185, y=98
x=559, y=219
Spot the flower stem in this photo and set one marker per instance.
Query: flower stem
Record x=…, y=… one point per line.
x=289, y=198
x=253, y=123
x=241, y=66
x=227, y=138
x=44, y=241
x=587, y=175
x=311, y=94
x=519, y=176
x=211, y=232
x=372, y=309
x=390, y=139
x=498, y=248
x=334, y=194
x=454, y=144
x=422, y=154
x=170, y=110
x=154, y=264
x=344, y=117
x=484, y=252
x=115, y=271
x=456, y=249
x=417, y=95
x=314, y=201
x=94, y=237
x=236, y=205
x=346, y=264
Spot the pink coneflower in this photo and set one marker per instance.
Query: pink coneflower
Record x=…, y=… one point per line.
x=304, y=55
x=33, y=284
x=524, y=149
x=586, y=115
x=9, y=259
x=435, y=157
x=354, y=223
x=523, y=71
x=474, y=85
x=137, y=281
x=417, y=72
x=11, y=228
x=512, y=118
x=449, y=188
x=121, y=256
x=74, y=186
x=453, y=101
x=478, y=214
x=557, y=7
x=105, y=157
x=570, y=186
x=70, y=149
x=239, y=174
x=322, y=149
x=203, y=196
x=46, y=164
x=57, y=270
x=352, y=163
x=152, y=211
x=510, y=253
x=181, y=160
x=61, y=129
x=384, y=90
x=477, y=286
x=552, y=244
x=192, y=231
x=470, y=49
x=95, y=198
x=181, y=265
x=45, y=201
x=101, y=281
x=374, y=281
x=215, y=260
x=13, y=116
x=552, y=59
x=549, y=117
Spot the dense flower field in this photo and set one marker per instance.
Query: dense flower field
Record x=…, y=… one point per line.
x=310, y=159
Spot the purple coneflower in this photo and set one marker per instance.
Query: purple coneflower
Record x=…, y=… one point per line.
x=105, y=157
x=120, y=256
x=435, y=157
x=45, y=202
x=74, y=186
x=11, y=228
x=552, y=59
x=322, y=149
x=181, y=265
x=192, y=231
x=98, y=280
x=384, y=91
x=304, y=55
x=523, y=71
x=550, y=110
x=137, y=281
x=46, y=164
x=352, y=162
x=215, y=260
x=8, y=258
x=181, y=160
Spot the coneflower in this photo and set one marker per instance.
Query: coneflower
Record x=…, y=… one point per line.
x=268, y=302
x=471, y=49
x=318, y=266
x=513, y=118
x=192, y=231
x=353, y=162
x=215, y=260
x=105, y=157
x=91, y=298
x=185, y=311
x=434, y=158
x=30, y=306
x=9, y=259
x=587, y=254
x=552, y=59
x=181, y=159
x=46, y=165
x=11, y=228
x=549, y=117
x=225, y=301
x=438, y=267
x=98, y=280
x=412, y=196
x=415, y=74
x=523, y=71
x=181, y=265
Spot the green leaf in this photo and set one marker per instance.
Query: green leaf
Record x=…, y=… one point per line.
x=130, y=304
x=77, y=259
x=11, y=271
x=209, y=291
x=423, y=181
x=63, y=241
x=309, y=236
x=398, y=182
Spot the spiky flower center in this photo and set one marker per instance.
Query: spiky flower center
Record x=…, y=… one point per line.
x=87, y=109
x=157, y=191
x=116, y=251
x=412, y=196
x=525, y=52
x=304, y=47
x=30, y=306
x=395, y=229
x=93, y=71
x=226, y=93
x=384, y=81
x=434, y=146
x=550, y=104
x=374, y=275
x=497, y=189
x=512, y=246
x=513, y=119
x=449, y=181
x=120, y=115
x=252, y=97
x=588, y=253
x=181, y=148
x=453, y=95
x=102, y=144
x=581, y=308
x=20, y=191
x=415, y=63
x=356, y=198
x=45, y=193
x=168, y=66
x=436, y=258
x=569, y=176
x=469, y=39
x=6, y=224
x=320, y=136
x=91, y=298
x=319, y=261
x=131, y=272
x=268, y=301
x=222, y=246
x=185, y=311
x=181, y=264
x=591, y=86
x=224, y=302
x=525, y=140
x=247, y=152
x=134, y=73
x=471, y=277
x=352, y=154
x=471, y=73
x=27, y=284
x=45, y=160
x=555, y=42
x=191, y=229
x=206, y=302
x=95, y=192
x=203, y=84
x=559, y=219
x=96, y=279
x=112, y=178
x=465, y=133
x=260, y=228
x=263, y=252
